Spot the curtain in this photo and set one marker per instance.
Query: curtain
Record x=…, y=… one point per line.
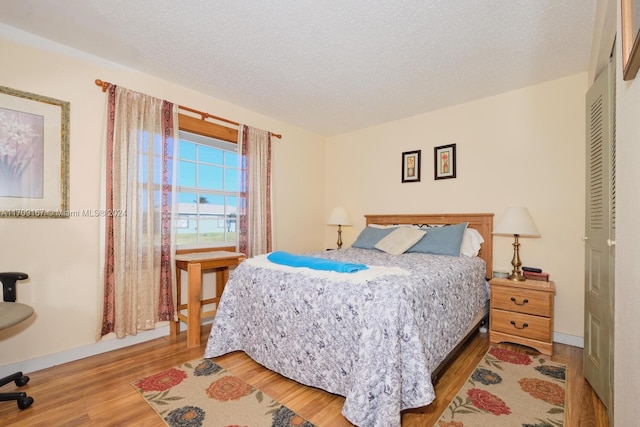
x=254, y=205
x=139, y=264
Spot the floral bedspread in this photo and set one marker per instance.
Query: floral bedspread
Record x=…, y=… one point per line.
x=375, y=342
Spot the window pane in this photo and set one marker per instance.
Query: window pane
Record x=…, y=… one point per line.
x=212, y=228
x=231, y=159
x=187, y=229
x=232, y=205
x=187, y=177
x=231, y=180
x=209, y=177
x=203, y=199
x=211, y=204
x=187, y=150
x=218, y=201
x=187, y=209
x=184, y=197
x=209, y=155
x=232, y=227
x=209, y=226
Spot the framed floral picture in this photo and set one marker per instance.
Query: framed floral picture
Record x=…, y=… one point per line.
x=34, y=155
x=411, y=166
x=445, y=161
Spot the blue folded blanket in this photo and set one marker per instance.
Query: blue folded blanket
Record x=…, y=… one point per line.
x=285, y=258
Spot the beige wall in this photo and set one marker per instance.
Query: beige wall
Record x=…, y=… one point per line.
x=62, y=256
x=627, y=270
x=522, y=148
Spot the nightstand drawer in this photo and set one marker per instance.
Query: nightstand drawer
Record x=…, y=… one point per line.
x=523, y=325
x=522, y=300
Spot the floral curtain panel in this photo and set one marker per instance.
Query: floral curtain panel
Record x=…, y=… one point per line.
x=254, y=210
x=139, y=265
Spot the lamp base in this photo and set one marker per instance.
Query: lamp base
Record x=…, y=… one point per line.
x=516, y=273
x=517, y=277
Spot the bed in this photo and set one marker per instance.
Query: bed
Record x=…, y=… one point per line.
x=377, y=338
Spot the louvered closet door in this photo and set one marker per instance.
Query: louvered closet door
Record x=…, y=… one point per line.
x=600, y=237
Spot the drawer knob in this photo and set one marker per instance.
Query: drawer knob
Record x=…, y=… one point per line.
x=524, y=301
x=524, y=325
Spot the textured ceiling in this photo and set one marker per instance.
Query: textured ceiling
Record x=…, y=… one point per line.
x=328, y=66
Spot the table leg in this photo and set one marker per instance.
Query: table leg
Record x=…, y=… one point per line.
x=194, y=297
x=174, y=327
x=222, y=275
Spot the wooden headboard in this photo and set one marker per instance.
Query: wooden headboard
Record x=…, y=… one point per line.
x=483, y=222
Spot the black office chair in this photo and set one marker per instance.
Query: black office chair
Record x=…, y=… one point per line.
x=12, y=312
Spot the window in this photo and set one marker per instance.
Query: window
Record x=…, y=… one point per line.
x=207, y=191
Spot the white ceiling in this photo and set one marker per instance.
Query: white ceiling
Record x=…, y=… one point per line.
x=329, y=66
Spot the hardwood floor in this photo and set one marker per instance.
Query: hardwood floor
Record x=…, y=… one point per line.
x=96, y=391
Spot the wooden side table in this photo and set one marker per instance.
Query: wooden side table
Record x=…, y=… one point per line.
x=194, y=264
x=522, y=313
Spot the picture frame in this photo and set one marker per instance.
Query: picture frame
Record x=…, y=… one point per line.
x=411, y=166
x=34, y=155
x=445, y=161
x=630, y=35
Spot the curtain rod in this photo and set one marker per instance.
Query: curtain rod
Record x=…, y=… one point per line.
x=105, y=85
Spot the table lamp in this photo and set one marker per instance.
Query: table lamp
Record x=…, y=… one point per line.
x=339, y=217
x=516, y=222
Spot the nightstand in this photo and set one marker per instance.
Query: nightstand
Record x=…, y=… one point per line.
x=522, y=313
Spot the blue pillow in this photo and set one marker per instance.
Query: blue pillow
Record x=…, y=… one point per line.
x=370, y=236
x=445, y=240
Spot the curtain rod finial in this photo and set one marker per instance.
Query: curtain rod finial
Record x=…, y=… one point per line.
x=103, y=85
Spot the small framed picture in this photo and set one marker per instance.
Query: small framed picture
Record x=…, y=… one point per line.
x=445, y=161
x=411, y=166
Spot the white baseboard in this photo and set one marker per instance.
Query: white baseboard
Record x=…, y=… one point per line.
x=100, y=347
x=568, y=339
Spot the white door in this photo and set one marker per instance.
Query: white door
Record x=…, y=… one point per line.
x=600, y=237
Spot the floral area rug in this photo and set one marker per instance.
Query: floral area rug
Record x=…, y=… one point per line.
x=201, y=393
x=509, y=388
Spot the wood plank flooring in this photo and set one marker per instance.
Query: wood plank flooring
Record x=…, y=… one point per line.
x=96, y=391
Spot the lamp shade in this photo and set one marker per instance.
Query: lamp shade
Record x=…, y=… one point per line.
x=339, y=216
x=516, y=221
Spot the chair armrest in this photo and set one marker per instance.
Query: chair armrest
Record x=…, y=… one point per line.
x=9, y=280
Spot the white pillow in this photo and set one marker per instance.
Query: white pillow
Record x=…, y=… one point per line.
x=471, y=241
x=399, y=240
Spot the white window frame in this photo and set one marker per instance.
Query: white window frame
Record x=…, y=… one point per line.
x=200, y=192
